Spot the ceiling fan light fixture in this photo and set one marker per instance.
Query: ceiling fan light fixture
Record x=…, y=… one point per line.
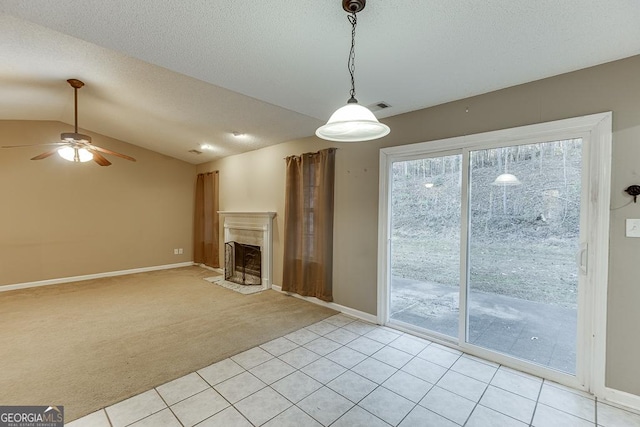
x=352, y=122
x=73, y=136
x=75, y=154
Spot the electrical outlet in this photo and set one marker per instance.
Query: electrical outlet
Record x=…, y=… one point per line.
x=180, y=251
x=175, y=252
x=633, y=227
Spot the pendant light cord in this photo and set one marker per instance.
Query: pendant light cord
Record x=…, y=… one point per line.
x=351, y=65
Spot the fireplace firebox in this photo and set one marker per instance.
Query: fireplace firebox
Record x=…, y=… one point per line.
x=242, y=263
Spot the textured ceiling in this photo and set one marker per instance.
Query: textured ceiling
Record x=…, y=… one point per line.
x=171, y=75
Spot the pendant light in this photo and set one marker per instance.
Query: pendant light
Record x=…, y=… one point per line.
x=353, y=122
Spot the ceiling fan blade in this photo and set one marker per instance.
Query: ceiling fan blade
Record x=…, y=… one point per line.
x=99, y=158
x=104, y=150
x=33, y=145
x=45, y=154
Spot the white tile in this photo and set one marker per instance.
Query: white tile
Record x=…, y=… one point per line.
x=408, y=386
x=272, y=371
x=410, y=344
x=323, y=370
x=346, y=357
x=299, y=357
x=279, y=346
x=352, y=386
x=229, y=417
x=387, y=405
x=251, y=358
x=546, y=416
x=450, y=405
x=260, y=407
x=422, y=369
x=322, y=346
x=567, y=401
x=292, y=417
x=610, y=416
x=365, y=345
x=321, y=328
x=374, y=370
x=341, y=336
x=392, y=356
x=569, y=389
x=199, y=407
x=445, y=348
x=481, y=360
x=135, y=408
x=421, y=417
x=474, y=369
x=439, y=356
x=507, y=403
x=383, y=335
x=296, y=386
x=359, y=417
x=181, y=388
x=485, y=417
x=340, y=320
x=520, y=373
x=94, y=419
x=360, y=328
x=325, y=405
x=239, y=387
x=526, y=387
x=164, y=418
x=302, y=336
x=221, y=371
x=460, y=384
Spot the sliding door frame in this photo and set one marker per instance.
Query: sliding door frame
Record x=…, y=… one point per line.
x=595, y=130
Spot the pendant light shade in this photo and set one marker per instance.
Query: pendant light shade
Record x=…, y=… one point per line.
x=353, y=122
x=507, y=179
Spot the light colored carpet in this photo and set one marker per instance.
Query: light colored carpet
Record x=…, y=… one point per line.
x=90, y=344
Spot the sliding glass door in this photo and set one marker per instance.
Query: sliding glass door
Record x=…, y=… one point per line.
x=425, y=243
x=523, y=234
x=485, y=241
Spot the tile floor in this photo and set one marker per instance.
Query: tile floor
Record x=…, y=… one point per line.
x=343, y=372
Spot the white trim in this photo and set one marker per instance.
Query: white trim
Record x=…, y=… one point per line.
x=341, y=308
x=48, y=282
x=620, y=398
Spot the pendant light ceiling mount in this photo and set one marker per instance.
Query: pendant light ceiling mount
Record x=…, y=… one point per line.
x=353, y=6
x=352, y=122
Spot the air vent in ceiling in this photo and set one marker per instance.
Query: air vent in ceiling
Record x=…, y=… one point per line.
x=195, y=152
x=378, y=106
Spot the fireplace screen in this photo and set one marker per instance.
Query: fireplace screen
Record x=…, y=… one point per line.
x=242, y=263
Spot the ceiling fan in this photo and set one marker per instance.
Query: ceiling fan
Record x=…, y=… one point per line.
x=74, y=146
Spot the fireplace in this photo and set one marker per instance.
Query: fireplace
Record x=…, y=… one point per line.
x=242, y=263
x=248, y=247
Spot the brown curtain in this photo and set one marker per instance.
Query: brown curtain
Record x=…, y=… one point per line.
x=207, y=223
x=308, y=224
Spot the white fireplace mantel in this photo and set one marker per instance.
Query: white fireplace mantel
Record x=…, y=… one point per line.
x=252, y=228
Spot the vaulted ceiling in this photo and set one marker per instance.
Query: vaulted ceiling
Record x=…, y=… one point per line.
x=172, y=75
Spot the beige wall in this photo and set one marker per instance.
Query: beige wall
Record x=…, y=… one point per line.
x=255, y=181
x=59, y=219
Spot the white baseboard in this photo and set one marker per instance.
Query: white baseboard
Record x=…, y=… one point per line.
x=92, y=276
x=217, y=270
x=341, y=308
x=621, y=398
